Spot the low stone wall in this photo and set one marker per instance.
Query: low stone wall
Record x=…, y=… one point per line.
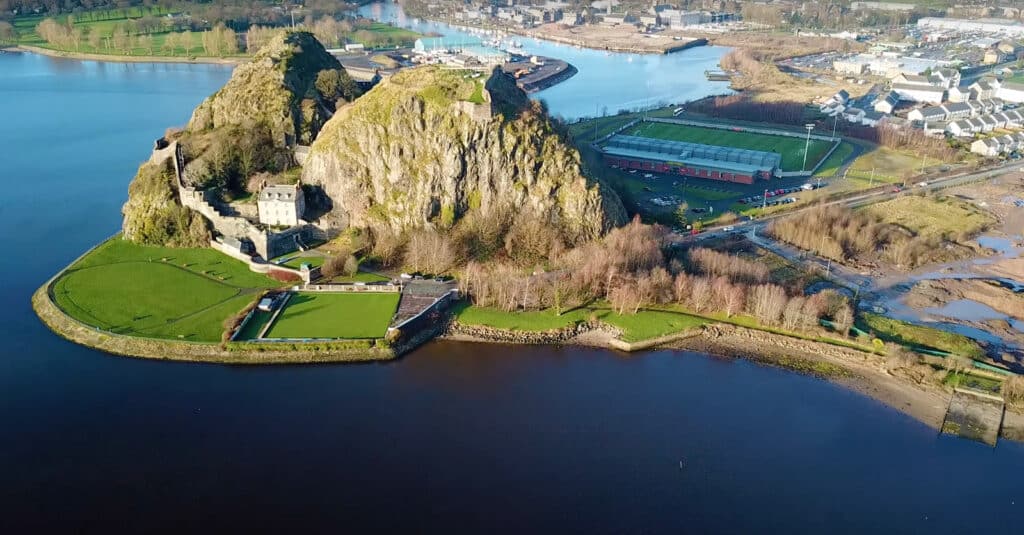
x=348, y=288
x=621, y=345
x=457, y=331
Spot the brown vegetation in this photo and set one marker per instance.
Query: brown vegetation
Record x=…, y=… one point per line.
x=628, y=269
x=909, y=139
x=743, y=107
x=846, y=236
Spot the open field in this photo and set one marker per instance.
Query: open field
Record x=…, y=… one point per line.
x=930, y=216
x=97, y=29
x=336, y=315
x=901, y=332
x=157, y=292
x=791, y=149
x=643, y=325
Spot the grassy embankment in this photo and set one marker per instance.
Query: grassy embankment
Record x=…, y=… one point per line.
x=907, y=334
x=157, y=292
x=644, y=325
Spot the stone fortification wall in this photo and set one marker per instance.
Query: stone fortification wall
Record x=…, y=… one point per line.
x=268, y=244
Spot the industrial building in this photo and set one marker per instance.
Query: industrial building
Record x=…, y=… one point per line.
x=691, y=159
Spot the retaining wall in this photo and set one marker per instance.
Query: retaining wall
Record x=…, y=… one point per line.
x=348, y=288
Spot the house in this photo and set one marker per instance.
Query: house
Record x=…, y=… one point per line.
x=956, y=110
x=986, y=147
x=919, y=93
x=1010, y=92
x=929, y=114
x=960, y=128
x=835, y=101
x=911, y=79
x=958, y=94
x=853, y=115
x=887, y=103
x=281, y=205
x=872, y=118
x=949, y=78
x=982, y=89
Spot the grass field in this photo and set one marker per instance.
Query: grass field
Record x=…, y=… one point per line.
x=930, y=216
x=791, y=148
x=104, y=21
x=336, y=315
x=901, y=332
x=643, y=325
x=157, y=292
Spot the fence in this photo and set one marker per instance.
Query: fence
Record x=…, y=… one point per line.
x=343, y=288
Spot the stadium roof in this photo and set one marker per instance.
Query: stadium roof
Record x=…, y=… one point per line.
x=713, y=155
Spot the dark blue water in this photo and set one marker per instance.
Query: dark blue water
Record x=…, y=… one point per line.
x=454, y=437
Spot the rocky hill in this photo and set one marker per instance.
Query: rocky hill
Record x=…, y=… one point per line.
x=284, y=95
x=279, y=88
x=429, y=145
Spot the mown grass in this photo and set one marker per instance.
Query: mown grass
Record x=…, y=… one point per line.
x=336, y=315
x=904, y=333
x=644, y=325
x=157, y=292
x=832, y=164
x=930, y=216
x=790, y=148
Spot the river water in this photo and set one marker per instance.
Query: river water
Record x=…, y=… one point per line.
x=459, y=437
x=606, y=82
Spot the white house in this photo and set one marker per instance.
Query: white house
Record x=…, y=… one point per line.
x=281, y=205
x=919, y=93
x=929, y=114
x=958, y=94
x=1010, y=92
x=985, y=147
x=887, y=103
x=872, y=118
x=853, y=115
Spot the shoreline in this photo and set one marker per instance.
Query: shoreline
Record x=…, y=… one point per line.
x=856, y=370
x=82, y=56
x=57, y=321
x=864, y=373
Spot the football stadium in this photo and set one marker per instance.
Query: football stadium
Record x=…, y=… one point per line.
x=730, y=155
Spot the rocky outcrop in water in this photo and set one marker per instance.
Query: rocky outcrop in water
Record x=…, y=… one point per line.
x=430, y=145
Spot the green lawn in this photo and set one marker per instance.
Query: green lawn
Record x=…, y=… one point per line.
x=901, y=332
x=835, y=160
x=643, y=325
x=157, y=292
x=336, y=315
x=295, y=260
x=252, y=328
x=791, y=148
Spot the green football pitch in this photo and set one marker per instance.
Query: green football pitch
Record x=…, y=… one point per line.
x=791, y=148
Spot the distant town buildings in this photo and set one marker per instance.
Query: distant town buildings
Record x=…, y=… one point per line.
x=994, y=26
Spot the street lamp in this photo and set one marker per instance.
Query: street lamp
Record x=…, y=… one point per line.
x=807, y=144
